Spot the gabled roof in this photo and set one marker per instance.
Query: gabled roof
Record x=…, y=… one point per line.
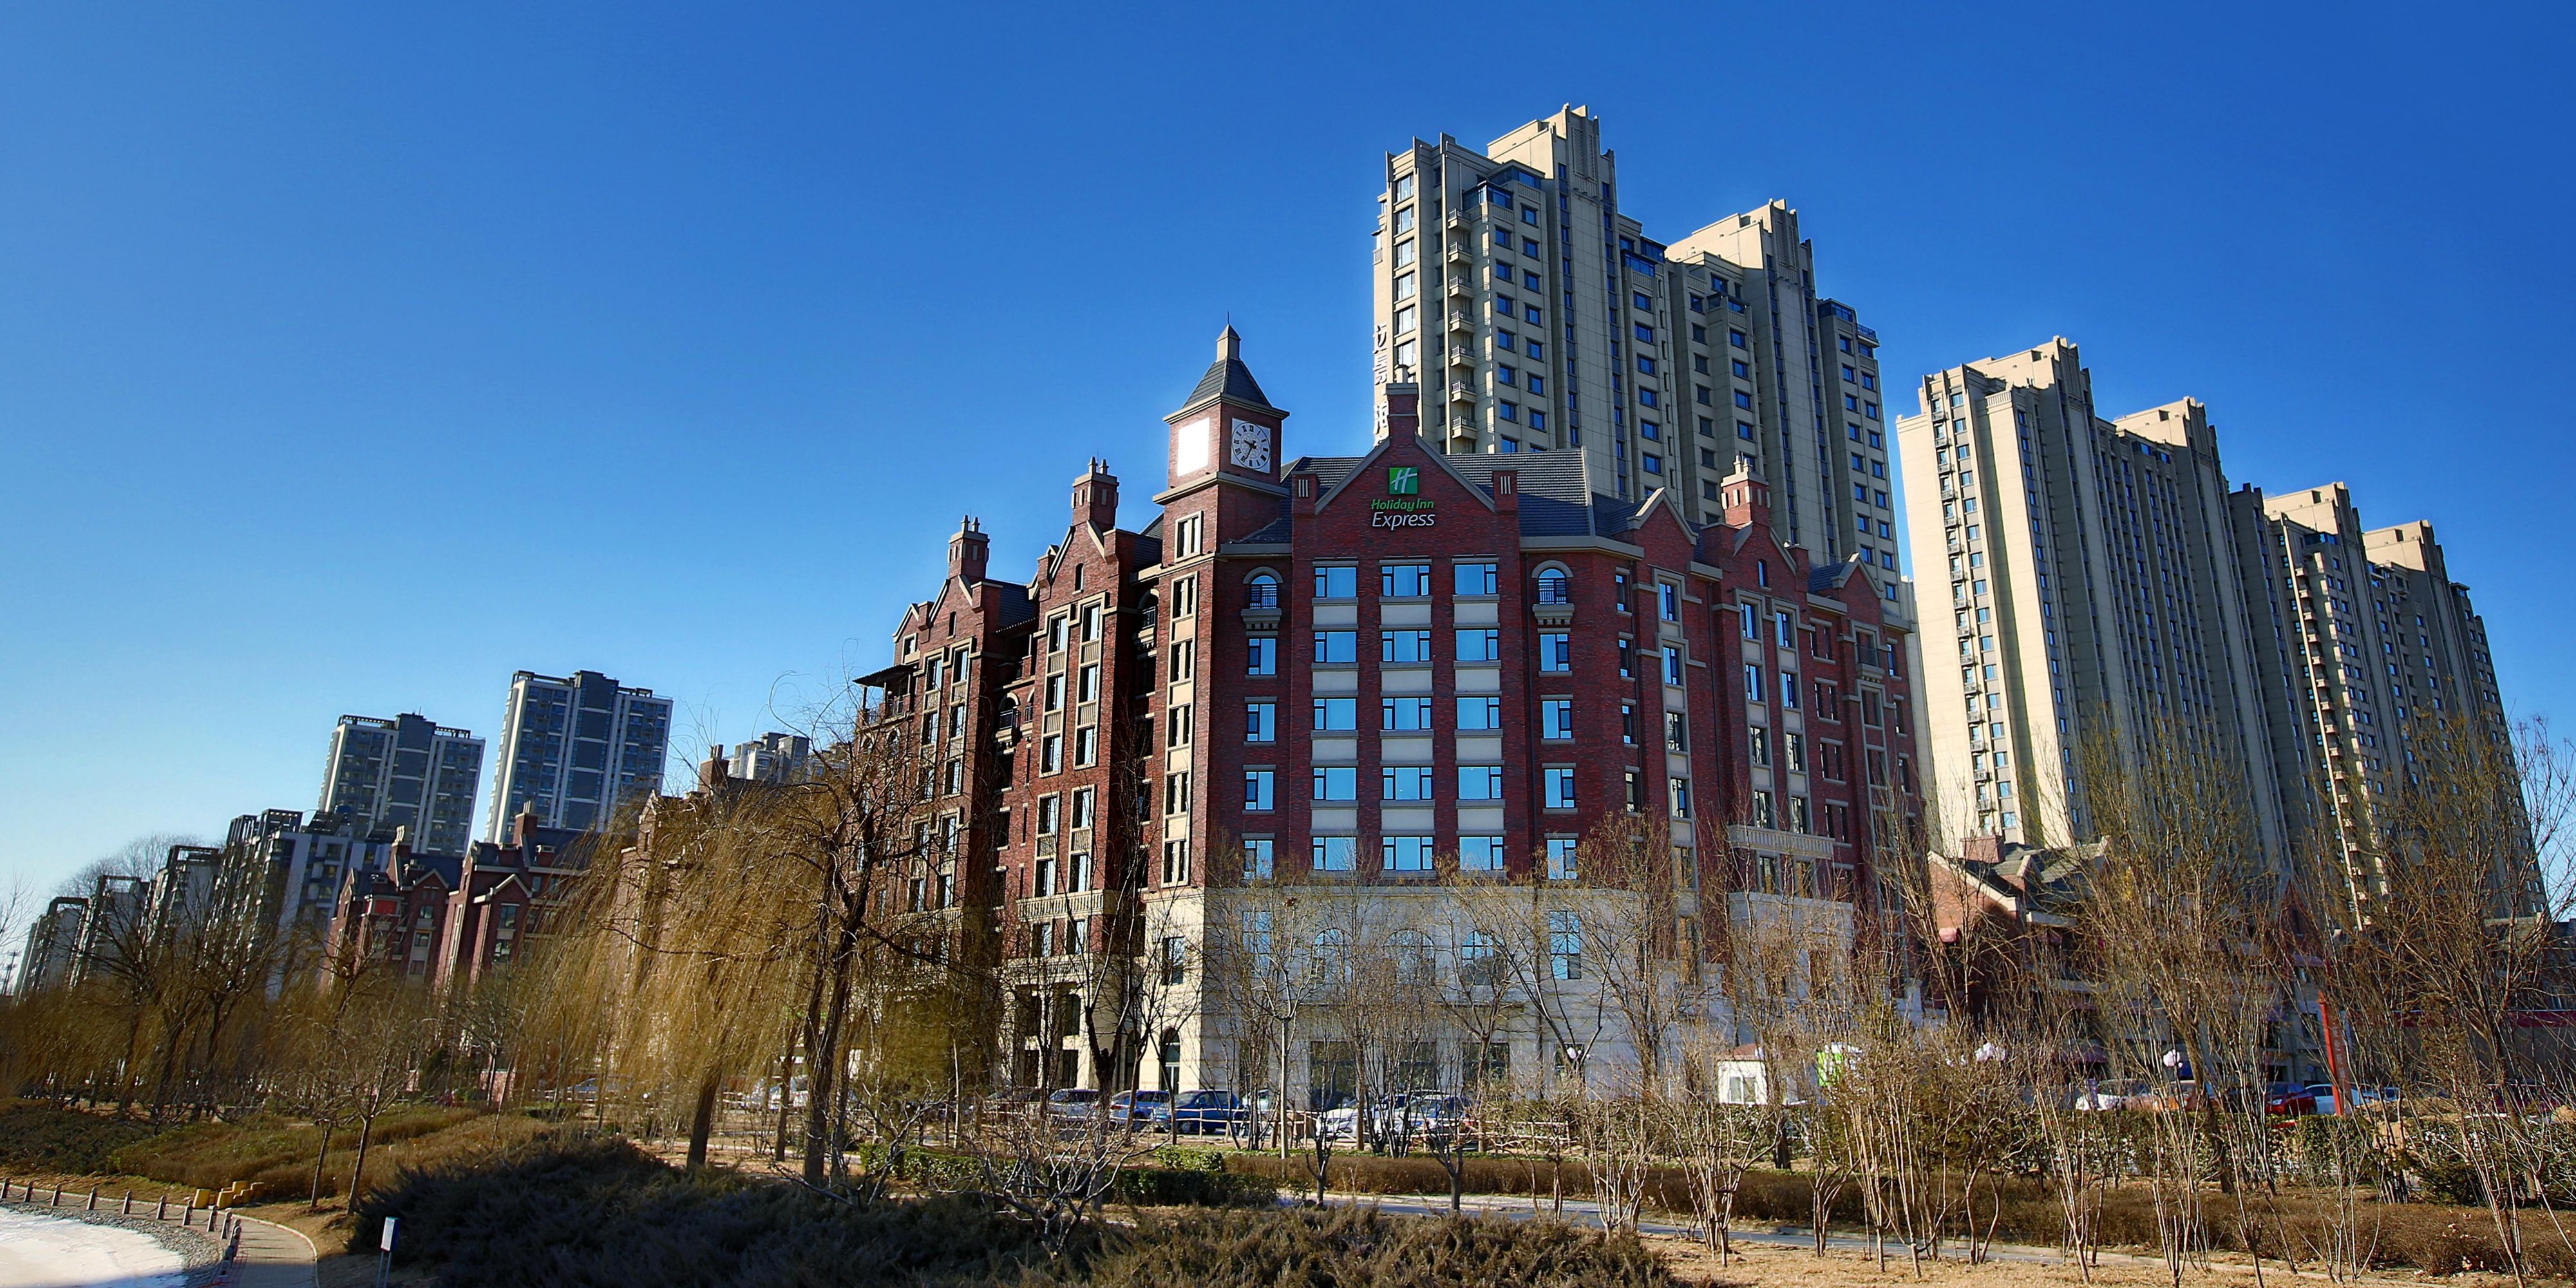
x=1555, y=491
x=1829, y=577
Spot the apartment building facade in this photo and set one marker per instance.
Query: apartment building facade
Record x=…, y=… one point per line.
x=407, y=772
x=2095, y=600
x=573, y=748
x=1372, y=679
x=1535, y=316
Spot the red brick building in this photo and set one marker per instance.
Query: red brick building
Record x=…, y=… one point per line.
x=1380, y=673
x=444, y=920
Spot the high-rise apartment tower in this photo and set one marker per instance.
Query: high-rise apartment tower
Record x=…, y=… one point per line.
x=575, y=747
x=1535, y=316
x=404, y=772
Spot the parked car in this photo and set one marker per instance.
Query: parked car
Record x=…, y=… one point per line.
x=2107, y=1094
x=1141, y=1107
x=1208, y=1113
x=1071, y=1103
x=2291, y=1099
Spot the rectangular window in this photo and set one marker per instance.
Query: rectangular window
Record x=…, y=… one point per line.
x=1673, y=672
x=1752, y=622
x=1185, y=666
x=1676, y=731
x=1472, y=579
x=1337, y=581
x=1560, y=858
x=1335, y=853
x=1752, y=682
x=1668, y=601
x=1337, y=646
x=1555, y=651
x=1179, y=727
x=1261, y=722
x=1788, y=691
x=1051, y=754
x=1556, y=718
x=1404, y=581
x=1176, y=792
x=1086, y=746
x=1560, y=787
x=1480, y=854
x=1480, y=782
x=1404, y=783
x=1762, y=812
x=1480, y=644
x=1261, y=655
x=1680, y=797
x=1337, y=783
x=1405, y=854
x=1086, y=687
x=1257, y=858
x=1404, y=713
x=1176, y=861
x=1404, y=646
x=1480, y=713
x=1054, y=699
x=1336, y=715
x=1258, y=785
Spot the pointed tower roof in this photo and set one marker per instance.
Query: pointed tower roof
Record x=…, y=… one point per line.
x=1228, y=378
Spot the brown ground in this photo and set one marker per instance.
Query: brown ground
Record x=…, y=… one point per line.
x=1777, y=1267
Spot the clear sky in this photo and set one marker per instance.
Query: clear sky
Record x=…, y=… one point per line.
x=354, y=356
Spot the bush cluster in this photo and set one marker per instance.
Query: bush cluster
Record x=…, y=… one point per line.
x=41, y=1138
x=601, y=1212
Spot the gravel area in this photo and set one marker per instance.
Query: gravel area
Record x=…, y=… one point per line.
x=196, y=1248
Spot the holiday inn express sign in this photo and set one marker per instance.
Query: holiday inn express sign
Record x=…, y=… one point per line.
x=1403, y=506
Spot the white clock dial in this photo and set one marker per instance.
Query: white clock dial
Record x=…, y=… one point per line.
x=1192, y=444
x=1251, y=445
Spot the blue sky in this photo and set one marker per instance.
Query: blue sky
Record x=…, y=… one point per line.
x=352, y=357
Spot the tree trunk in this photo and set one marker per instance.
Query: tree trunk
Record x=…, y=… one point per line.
x=358, y=1169
x=320, y=1156
x=703, y=1122
x=822, y=1055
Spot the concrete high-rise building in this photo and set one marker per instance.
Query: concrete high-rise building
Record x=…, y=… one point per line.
x=1535, y=316
x=574, y=748
x=771, y=758
x=52, y=946
x=2360, y=634
x=404, y=772
x=2094, y=597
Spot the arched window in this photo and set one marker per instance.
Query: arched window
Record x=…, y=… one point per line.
x=1332, y=956
x=1261, y=590
x=1554, y=585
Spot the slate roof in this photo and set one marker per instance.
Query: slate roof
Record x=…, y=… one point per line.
x=1556, y=492
x=1227, y=376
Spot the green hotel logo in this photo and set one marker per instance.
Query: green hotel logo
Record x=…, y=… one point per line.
x=1403, y=480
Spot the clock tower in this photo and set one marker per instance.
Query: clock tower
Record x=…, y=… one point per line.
x=1228, y=427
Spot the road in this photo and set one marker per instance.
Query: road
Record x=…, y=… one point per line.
x=39, y=1251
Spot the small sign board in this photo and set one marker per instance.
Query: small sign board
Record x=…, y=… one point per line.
x=387, y=1243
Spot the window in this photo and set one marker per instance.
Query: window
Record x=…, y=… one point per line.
x=1176, y=792
x=1480, y=644
x=1337, y=783
x=1762, y=811
x=1185, y=598
x=1404, y=713
x=1759, y=745
x=1404, y=783
x=1405, y=854
x=1752, y=682
x=1788, y=691
x=1086, y=746
x=1560, y=858
x=1752, y=621
x=1086, y=687
x=1404, y=286
x=1054, y=699
x=1560, y=787
x=1736, y=338
x=1480, y=854
x=1257, y=858
x=1679, y=796
x=1184, y=662
x=1261, y=654
x=1335, y=715
x=1784, y=630
x=1744, y=428
x=1337, y=581
x=1404, y=581
x=1480, y=782
x=1176, y=861
x=1556, y=718
x=1176, y=959
x=1082, y=810
x=1565, y=945
x=1668, y=601
x=1051, y=754
x=1652, y=463
x=1337, y=646
x=1258, y=789
x=1472, y=579
x=1404, y=646
x=1480, y=713
x=1673, y=667
x=1555, y=651
x=1178, y=730
x=1335, y=854
x=1796, y=746
x=1676, y=731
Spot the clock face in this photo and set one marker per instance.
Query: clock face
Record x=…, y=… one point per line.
x=1251, y=445
x=1192, y=444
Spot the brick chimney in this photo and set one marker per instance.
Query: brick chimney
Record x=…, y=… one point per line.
x=967, y=551
x=1095, y=497
x=1399, y=410
x=1747, y=499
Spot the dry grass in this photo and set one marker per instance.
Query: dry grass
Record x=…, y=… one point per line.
x=1769, y=1266
x=277, y=1154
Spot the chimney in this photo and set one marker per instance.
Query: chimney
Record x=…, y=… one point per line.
x=966, y=551
x=1507, y=491
x=1095, y=497
x=1747, y=499
x=1399, y=410
x=712, y=770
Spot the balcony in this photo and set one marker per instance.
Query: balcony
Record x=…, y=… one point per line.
x=1462, y=284
x=1461, y=320
x=1554, y=602
x=1461, y=251
x=1462, y=393
x=1461, y=356
x=1457, y=221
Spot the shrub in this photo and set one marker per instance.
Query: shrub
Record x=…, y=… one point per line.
x=1355, y=1246
x=37, y=1137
